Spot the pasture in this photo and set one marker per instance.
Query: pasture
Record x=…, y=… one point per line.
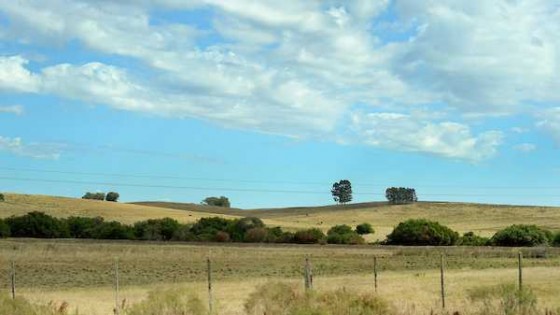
x=81, y=272
x=462, y=217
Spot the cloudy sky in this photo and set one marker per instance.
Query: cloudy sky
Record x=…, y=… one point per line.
x=270, y=102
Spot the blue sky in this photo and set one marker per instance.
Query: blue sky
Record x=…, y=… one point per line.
x=271, y=102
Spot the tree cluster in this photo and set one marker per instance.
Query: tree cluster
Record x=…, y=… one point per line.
x=216, y=202
x=400, y=195
x=1, y=197
x=110, y=196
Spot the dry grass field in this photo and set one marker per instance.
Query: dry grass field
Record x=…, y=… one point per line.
x=463, y=217
x=81, y=272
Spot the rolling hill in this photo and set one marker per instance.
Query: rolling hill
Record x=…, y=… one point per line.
x=481, y=218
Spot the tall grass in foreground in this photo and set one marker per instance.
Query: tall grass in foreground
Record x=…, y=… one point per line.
x=169, y=302
x=21, y=306
x=279, y=298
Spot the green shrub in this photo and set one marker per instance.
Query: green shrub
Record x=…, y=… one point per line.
x=309, y=236
x=210, y=226
x=4, y=229
x=256, y=235
x=471, y=239
x=364, y=228
x=556, y=239
x=522, y=235
x=156, y=229
x=38, y=225
x=283, y=299
x=114, y=231
x=422, y=232
x=2, y=197
x=343, y=234
x=81, y=227
x=169, y=302
x=238, y=228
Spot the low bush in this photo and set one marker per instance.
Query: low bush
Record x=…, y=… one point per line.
x=343, y=234
x=284, y=299
x=169, y=302
x=256, y=235
x=556, y=240
x=4, y=229
x=364, y=228
x=522, y=235
x=2, y=197
x=421, y=232
x=471, y=239
x=156, y=229
x=309, y=236
x=39, y=225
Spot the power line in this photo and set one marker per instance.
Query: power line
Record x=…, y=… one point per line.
x=253, y=190
x=225, y=180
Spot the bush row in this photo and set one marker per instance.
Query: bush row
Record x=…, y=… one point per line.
x=421, y=232
x=215, y=229
x=417, y=232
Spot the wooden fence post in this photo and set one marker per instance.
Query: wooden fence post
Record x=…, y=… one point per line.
x=13, y=280
x=209, y=270
x=520, y=266
x=375, y=272
x=117, y=308
x=442, y=280
x=308, y=275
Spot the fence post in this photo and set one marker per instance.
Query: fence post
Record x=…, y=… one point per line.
x=442, y=279
x=520, y=266
x=375, y=272
x=117, y=310
x=308, y=274
x=13, y=280
x=209, y=270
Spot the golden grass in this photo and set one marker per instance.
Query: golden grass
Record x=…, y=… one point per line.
x=409, y=291
x=18, y=204
x=463, y=217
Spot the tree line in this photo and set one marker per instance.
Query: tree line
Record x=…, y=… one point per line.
x=413, y=232
x=212, y=229
x=110, y=196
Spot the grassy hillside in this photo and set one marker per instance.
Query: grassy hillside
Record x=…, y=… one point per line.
x=480, y=218
x=18, y=204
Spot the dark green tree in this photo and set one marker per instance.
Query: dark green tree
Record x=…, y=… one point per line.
x=342, y=191
x=400, y=195
x=94, y=196
x=216, y=201
x=2, y=197
x=112, y=196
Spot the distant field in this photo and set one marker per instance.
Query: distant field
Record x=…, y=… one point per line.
x=463, y=217
x=81, y=272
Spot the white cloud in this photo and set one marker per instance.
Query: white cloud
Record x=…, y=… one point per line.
x=408, y=133
x=13, y=109
x=549, y=122
x=43, y=151
x=525, y=147
x=297, y=68
x=15, y=77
